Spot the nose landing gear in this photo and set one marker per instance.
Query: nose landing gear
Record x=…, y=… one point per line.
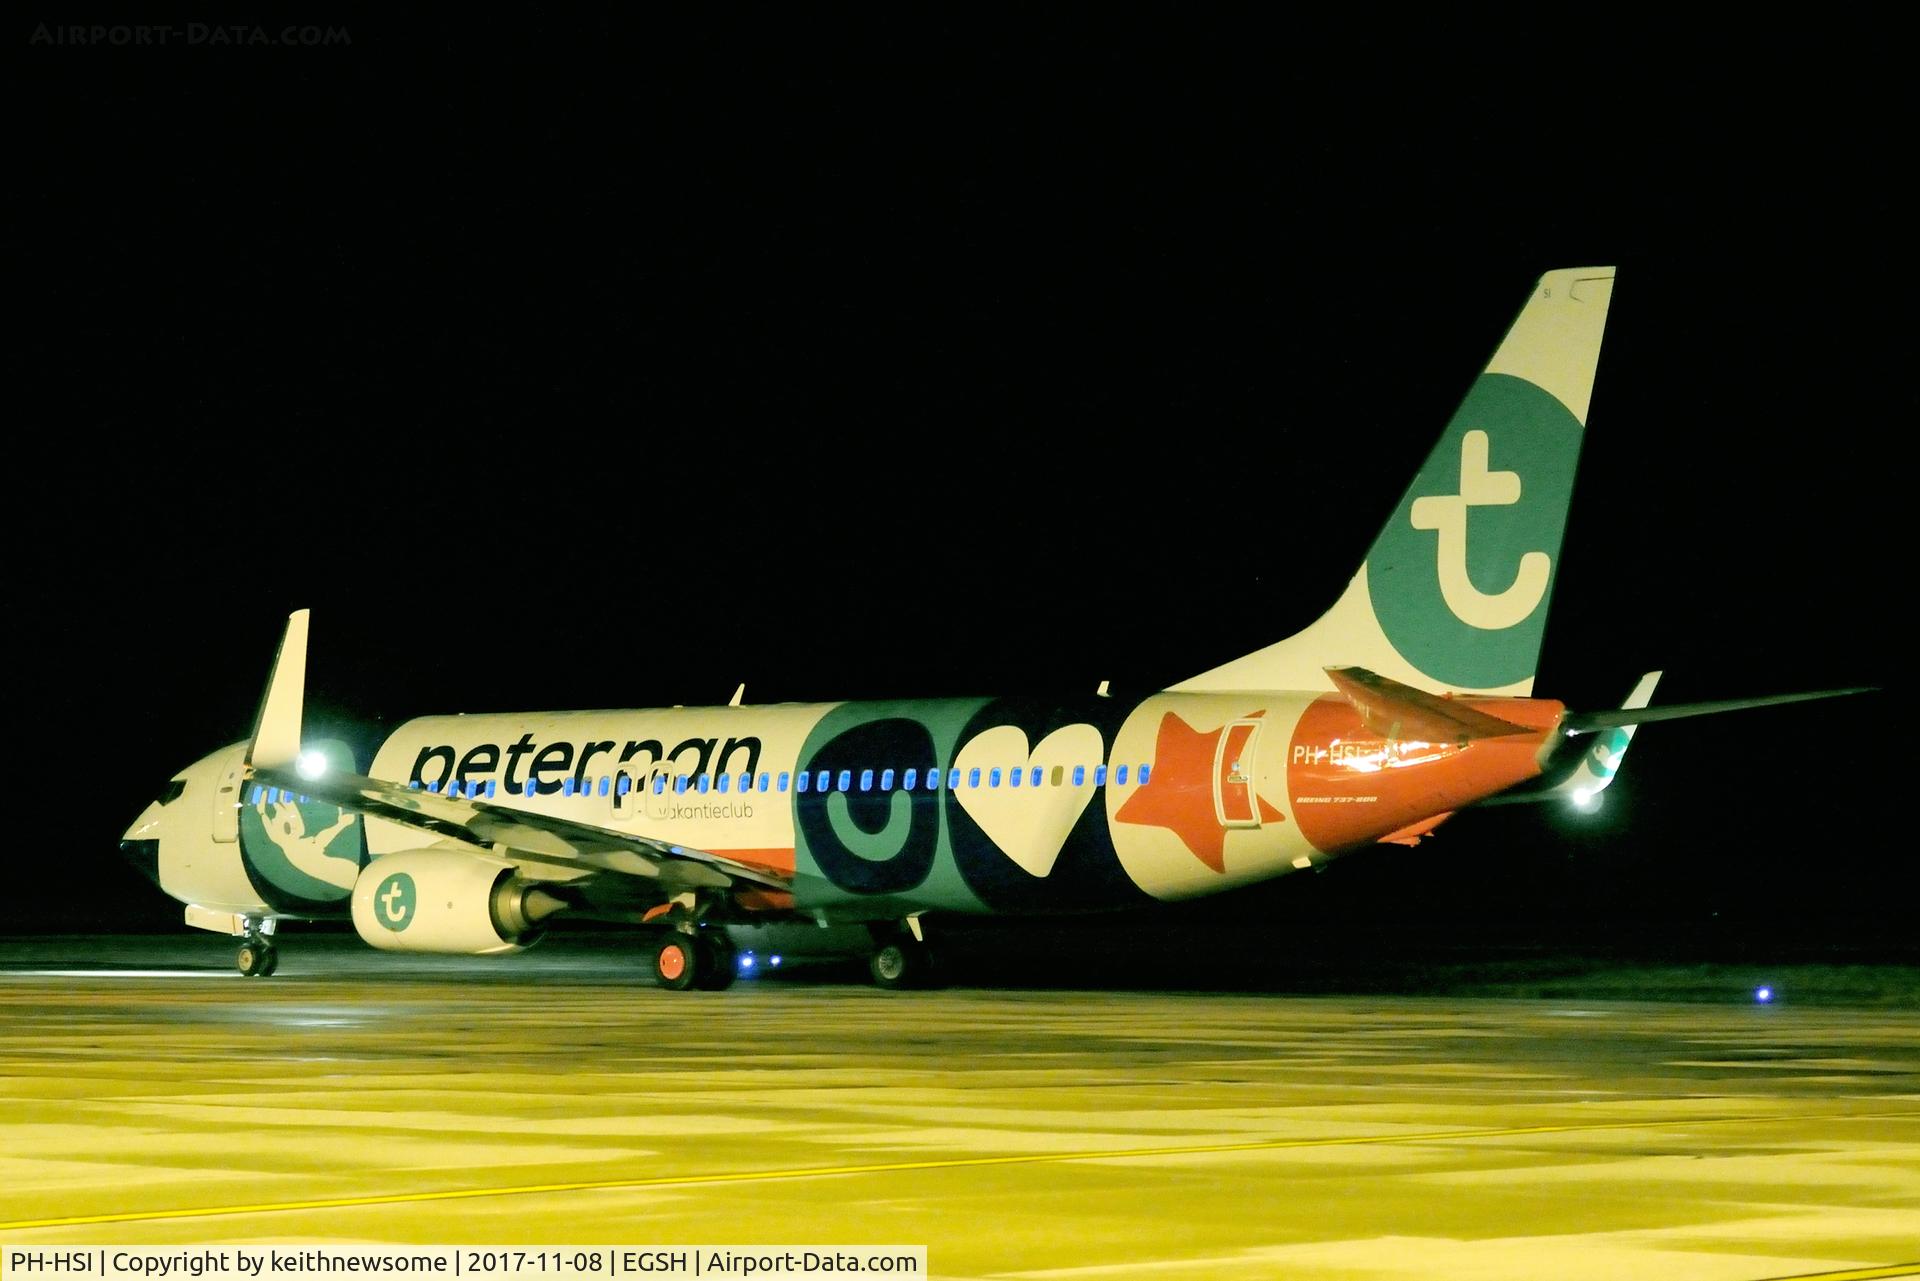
x=257, y=957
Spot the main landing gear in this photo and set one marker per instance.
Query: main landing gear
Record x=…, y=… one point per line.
x=704, y=959
x=900, y=958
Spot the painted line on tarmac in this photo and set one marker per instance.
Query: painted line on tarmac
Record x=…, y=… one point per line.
x=950, y=1163
x=1858, y=1274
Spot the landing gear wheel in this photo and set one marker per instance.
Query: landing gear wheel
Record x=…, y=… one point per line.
x=677, y=961
x=256, y=959
x=720, y=962
x=901, y=963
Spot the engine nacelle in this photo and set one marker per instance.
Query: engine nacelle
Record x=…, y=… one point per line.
x=449, y=900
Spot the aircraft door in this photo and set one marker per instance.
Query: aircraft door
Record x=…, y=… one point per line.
x=1233, y=776
x=226, y=798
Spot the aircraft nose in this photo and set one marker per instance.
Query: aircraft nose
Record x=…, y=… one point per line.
x=144, y=855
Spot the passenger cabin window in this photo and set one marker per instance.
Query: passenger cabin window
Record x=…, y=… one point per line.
x=782, y=783
x=1100, y=776
x=746, y=782
x=1120, y=776
x=1059, y=775
x=886, y=780
x=705, y=783
x=866, y=781
x=823, y=781
x=846, y=780
x=1035, y=780
x=726, y=781
x=1015, y=779
x=973, y=777
x=766, y=778
x=1143, y=775
x=993, y=777
x=799, y=781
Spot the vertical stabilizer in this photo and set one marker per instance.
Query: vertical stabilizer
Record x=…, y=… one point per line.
x=1453, y=593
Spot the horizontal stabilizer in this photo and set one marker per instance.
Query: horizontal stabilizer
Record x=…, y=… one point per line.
x=1401, y=712
x=1588, y=722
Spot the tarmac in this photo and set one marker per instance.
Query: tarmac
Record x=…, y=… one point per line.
x=150, y=1096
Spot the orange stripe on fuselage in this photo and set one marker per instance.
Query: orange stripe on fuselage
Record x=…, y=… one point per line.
x=1351, y=787
x=776, y=859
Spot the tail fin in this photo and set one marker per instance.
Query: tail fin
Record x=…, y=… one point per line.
x=1453, y=594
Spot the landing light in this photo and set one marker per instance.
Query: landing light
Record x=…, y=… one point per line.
x=1764, y=995
x=311, y=765
x=774, y=960
x=1586, y=798
x=746, y=961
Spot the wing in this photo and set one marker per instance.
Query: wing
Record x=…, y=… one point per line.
x=272, y=761
x=518, y=834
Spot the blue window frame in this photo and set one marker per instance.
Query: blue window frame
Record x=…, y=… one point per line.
x=953, y=778
x=1120, y=776
x=768, y=778
x=1015, y=777
x=489, y=789
x=1100, y=776
x=705, y=784
x=823, y=781
x=1079, y=776
x=431, y=787
x=993, y=777
x=910, y=780
x=746, y=781
x=253, y=797
x=659, y=784
x=723, y=782
x=1036, y=776
x=846, y=780
x=1144, y=775
x=622, y=787
x=679, y=783
x=605, y=784
x=799, y=780
x=886, y=780
x=973, y=776
x=866, y=781
x=782, y=783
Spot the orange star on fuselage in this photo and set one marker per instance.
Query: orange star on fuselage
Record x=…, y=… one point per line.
x=1180, y=797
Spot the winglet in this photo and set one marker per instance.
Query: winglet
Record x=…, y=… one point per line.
x=1602, y=761
x=276, y=731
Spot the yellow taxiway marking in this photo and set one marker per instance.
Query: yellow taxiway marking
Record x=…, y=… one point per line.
x=949, y=1163
x=1858, y=1274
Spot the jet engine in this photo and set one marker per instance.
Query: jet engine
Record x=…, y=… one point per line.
x=450, y=900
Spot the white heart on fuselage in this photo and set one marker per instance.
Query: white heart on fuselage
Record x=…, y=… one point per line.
x=1030, y=824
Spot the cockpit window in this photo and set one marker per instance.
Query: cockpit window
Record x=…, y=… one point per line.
x=174, y=789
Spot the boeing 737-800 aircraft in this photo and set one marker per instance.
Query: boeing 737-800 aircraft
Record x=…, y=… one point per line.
x=1409, y=700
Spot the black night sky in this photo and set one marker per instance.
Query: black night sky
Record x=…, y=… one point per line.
x=562, y=365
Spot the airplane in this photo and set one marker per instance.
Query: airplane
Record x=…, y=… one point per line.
x=1409, y=700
